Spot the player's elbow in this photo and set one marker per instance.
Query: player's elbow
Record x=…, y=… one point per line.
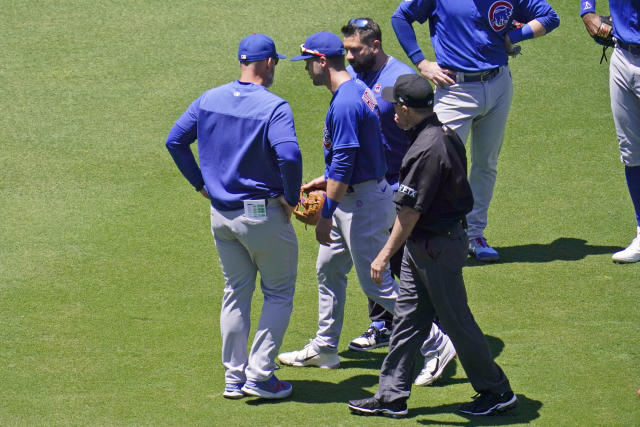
x=551, y=21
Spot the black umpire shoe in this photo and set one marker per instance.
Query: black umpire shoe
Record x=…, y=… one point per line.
x=373, y=406
x=488, y=403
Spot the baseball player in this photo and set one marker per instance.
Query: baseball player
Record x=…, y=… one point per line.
x=624, y=87
x=251, y=169
x=357, y=213
x=434, y=196
x=472, y=40
x=368, y=62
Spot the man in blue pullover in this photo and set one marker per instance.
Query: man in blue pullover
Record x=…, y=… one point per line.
x=472, y=41
x=251, y=170
x=624, y=87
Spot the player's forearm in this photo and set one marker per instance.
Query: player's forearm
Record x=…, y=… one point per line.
x=290, y=163
x=402, y=228
x=178, y=145
x=406, y=37
x=336, y=189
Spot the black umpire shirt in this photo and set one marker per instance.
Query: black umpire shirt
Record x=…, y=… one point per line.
x=433, y=178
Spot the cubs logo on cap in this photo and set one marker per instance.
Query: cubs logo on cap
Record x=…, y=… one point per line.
x=499, y=15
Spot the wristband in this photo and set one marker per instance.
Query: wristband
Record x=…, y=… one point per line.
x=329, y=207
x=519, y=34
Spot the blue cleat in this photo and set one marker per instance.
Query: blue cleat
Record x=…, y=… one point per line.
x=272, y=388
x=480, y=249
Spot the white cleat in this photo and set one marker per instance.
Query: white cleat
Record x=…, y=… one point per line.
x=308, y=356
x=631, y=254
x=434, y=366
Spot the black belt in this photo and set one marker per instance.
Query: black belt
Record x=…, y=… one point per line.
x=633, y=49
x=483, y=76
x=445, y=229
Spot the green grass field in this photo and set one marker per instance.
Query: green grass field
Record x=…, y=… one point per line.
x=110, y=286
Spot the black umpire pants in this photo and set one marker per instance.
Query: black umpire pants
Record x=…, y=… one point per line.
x=431, y=283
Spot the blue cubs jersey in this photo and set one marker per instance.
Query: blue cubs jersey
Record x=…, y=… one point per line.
x=239, y=127
x=394, y=139
x=468, y=35
x=352, y=122
x=625, y=15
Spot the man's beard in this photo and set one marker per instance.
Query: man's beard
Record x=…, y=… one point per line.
x=364, y=65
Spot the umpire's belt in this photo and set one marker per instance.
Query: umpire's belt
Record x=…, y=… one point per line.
x=633, y=49
x=482, y=76
x=444, y=229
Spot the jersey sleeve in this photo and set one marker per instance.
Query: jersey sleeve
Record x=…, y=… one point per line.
x=420, y=183
x=282, y=137
x=587, y=6
x=407, y=13
x=281, y=126
x=183, y=133
x=344, y=122
x=540, y=10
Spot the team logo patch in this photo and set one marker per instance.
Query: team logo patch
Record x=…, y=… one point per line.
x=377, y=88
x=369, y=98
x=408, y=191
x=326, y=139
x=499, y=15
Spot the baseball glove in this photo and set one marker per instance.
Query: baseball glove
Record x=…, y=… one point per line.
x=308, y=208
x=604, y=36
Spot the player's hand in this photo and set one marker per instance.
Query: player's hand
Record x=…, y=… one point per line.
x=592, y=23
x=512, y=49
x=319, y=183
x=378, y=267
x=287, y=208
x=438, y=76
x=205, y=194
x=323, y=231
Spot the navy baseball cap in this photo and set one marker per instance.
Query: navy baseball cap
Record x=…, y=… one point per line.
x=322, y=44
x=256, y=47
x=411, y=90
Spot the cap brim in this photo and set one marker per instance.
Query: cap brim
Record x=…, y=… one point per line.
x=301, y=57
x=387, y=94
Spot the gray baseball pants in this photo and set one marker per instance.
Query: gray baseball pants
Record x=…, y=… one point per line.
x=479, y=108
x=246, y=246
x=431, y=283
x=624, y=87
x=360, y=229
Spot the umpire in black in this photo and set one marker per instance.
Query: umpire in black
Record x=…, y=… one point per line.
x=433, y=198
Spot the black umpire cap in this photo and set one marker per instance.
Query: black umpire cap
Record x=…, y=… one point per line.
x=410, y=90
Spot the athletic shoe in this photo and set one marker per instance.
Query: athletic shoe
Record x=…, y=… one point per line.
x=310, y=357
x=272, y=388
x=480, y=249
x=373, y=406
x=370, y=339
x=631, y=254
x=490, y=403
x=434, y=366
x=233, y=391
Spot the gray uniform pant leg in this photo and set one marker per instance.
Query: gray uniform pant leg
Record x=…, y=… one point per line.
x=624, y=87
x=246, y=246
x=479, y=108
x=360, y=229
x=431, y=282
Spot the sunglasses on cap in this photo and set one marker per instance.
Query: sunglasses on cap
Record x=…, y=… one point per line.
x=359, y=23
x=311, y=51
